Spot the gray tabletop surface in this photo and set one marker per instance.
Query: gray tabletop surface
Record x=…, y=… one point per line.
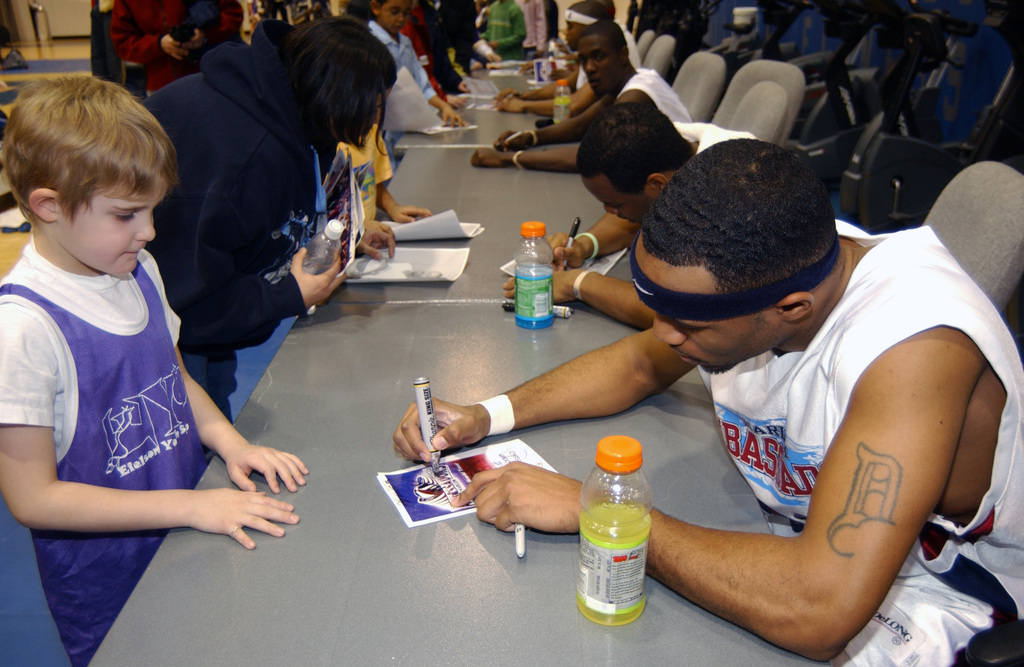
x=499, y=199
x=350, y=584
x=489, y=123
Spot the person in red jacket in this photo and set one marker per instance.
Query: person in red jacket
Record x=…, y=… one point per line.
x=147, y=32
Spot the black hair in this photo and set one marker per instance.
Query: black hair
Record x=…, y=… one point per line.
x=339, y=72
x=748, y=212
x=629, y=141
x=610, y=30
x=359, y=9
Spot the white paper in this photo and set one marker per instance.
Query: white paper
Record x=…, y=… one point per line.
x=480, y=88
x=602, y=264
x=444, y=225
x=423, y=497
x=407, y=109
x=410, y=265
x=441, y=129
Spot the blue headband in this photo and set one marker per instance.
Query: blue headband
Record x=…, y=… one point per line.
x=711, y=307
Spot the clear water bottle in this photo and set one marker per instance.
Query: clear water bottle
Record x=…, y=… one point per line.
x=534, y=278
x=323, y=249
x=562, y=101
x=615, y=523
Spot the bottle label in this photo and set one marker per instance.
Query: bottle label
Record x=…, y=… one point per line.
x=533, y=297
x=611, y=581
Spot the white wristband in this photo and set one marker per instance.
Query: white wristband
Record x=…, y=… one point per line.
x=576, y=285
x=500, y=410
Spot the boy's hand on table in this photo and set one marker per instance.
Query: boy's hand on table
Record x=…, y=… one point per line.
x=271, y=463
x=229, y=512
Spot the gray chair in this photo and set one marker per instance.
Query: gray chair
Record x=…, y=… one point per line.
x=774, y=122
x=979, y=216
x=699, y=84
x=762, y=112
x=643, y=43
x=659, y=55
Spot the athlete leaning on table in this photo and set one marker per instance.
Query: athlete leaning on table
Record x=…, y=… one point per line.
x=866, y=388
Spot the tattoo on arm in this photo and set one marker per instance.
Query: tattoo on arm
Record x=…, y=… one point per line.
x=876, y=485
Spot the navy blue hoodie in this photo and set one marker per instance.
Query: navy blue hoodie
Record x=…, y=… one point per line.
x=247, y=197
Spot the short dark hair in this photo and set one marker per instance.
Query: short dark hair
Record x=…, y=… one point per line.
x=610, y=30
x=748, y=212
x=629, y=141
x=360, y=9
x=339, y=72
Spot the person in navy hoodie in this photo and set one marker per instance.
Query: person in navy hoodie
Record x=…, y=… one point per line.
x=255, y=134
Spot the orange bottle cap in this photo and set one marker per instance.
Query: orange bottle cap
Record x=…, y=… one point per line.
x=619, y=454
x=533, y=229
x=562, y=82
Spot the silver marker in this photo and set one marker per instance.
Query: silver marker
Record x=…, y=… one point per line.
x=428, y=422
x=520, y=540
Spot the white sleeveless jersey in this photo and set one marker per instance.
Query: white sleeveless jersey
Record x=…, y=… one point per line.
x=651, y=84
x=778, y=415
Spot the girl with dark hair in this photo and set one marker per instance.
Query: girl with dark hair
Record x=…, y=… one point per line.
x=255, y=134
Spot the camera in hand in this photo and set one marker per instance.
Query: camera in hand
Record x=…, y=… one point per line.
x=182, y=32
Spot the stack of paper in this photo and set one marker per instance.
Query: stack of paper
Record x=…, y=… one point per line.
x=410, y=265
x=444, y=225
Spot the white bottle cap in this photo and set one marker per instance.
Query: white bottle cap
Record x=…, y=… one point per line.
x=333, y=230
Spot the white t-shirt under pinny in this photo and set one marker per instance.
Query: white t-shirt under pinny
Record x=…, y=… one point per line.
x=778, y=415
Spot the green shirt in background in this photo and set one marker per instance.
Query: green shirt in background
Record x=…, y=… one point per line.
x=505, y=25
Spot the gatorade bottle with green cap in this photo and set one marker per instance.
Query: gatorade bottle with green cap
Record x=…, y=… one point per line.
x=614, y=525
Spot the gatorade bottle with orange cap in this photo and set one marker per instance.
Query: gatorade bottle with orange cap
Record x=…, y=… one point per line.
x=534, y=277
x=562, y=101
x=614, y=525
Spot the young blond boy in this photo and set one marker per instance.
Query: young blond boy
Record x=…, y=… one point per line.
x=100, y=425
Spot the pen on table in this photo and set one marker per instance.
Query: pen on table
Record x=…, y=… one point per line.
x=428, y=422
x=520, y=540
x=565, y=312
x=572, y=236
x=510, y=137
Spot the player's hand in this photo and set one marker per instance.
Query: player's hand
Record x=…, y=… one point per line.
x=572, y=258
x=172, y=48
x=508, y=92
x=488, y=157
x=511, y=105
x=522, y=493
x=457, y=426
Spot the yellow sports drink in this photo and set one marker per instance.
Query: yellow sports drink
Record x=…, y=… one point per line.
x=614, y=526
